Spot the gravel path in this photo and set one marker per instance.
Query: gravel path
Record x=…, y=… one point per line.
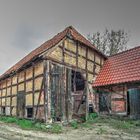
x=12, y=132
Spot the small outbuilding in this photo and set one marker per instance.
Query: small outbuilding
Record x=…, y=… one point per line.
x=118, y=84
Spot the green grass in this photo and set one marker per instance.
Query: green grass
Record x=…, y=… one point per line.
x=74, y=124
x=32, y=125
x=9, y=119
x=124, y=124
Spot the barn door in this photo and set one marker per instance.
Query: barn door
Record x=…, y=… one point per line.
x=61, y=104
x=78, y=93
x=134, y=102
x=20, y=104
x=59, y=94
x=104, y=102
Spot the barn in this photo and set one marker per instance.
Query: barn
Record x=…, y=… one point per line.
x=52, y=83
x=118, y=84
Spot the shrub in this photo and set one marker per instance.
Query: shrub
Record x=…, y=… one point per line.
x=74, y=124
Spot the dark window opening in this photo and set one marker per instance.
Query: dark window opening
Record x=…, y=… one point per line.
x=78, y=82
x=91, y=108
x=3, y=111
x=128, y=104
x=29, y=112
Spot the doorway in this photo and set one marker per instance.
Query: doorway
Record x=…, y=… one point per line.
x=67, y=92
x=21, y=104
x=78, y=92
x=133, y=103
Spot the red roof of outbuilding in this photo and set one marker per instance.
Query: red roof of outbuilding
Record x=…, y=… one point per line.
x=48, y=44
x=120, y=68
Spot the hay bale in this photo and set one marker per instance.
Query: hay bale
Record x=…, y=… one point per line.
x=3, y=84
x=56, y=54
x=97, y=59
x=21, y=76
x=39, y=69
x=14, y=111
x=8, y=101
x=21, y=87
x=36, y=98
x=82, y=51
x=29, y=99
x=81, y=62
x=70, y=59
x=3, y=92
x=90, y=54
x=8, y=91
x=29, y=73
x=97, y=69
x=70, y=45
x=9, y=82
x=14, y=101
x=14, y=90
x=14, y=79
x=90, y=66
x=29, y=85
x=37, y=83
x=90, y=77
x=3, y=101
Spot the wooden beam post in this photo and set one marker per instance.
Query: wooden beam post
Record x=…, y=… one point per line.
x=47, y=92
x=87, y=100
x=69, y=97
x=63, y=93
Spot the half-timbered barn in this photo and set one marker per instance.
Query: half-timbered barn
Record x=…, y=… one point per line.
x=118, y=84
x=51, y=82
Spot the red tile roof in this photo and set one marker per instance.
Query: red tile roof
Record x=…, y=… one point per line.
x=120, y=68
x=48, y=44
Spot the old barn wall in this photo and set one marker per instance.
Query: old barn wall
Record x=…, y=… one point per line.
x=79, y=56
x=68, y=53
x=116, y=99
x=29, y=81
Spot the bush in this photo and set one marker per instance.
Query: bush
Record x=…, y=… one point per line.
x=9, y=119
x=28, y=124
x=74, y=124
x=25, y=124
x=92, y=117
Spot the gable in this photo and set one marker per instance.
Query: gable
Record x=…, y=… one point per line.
x=77, y=55
x=69, y=31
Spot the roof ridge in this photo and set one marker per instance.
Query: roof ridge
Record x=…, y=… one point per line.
x=88, y=43
x=48, y=44
x=124, y=51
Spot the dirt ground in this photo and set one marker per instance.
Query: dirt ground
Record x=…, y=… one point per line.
x=97, y=132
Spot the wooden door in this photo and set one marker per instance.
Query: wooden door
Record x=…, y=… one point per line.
x=56, y=92
x=104, y=102
x=134, y=102
x=78, y=93
x=21, y=104
x=61, y=103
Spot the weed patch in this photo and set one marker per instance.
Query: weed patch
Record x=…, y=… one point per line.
x=28, y=124
x=74, y=124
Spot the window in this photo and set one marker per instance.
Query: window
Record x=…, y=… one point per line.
x=3, y=111
x=29, y=112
